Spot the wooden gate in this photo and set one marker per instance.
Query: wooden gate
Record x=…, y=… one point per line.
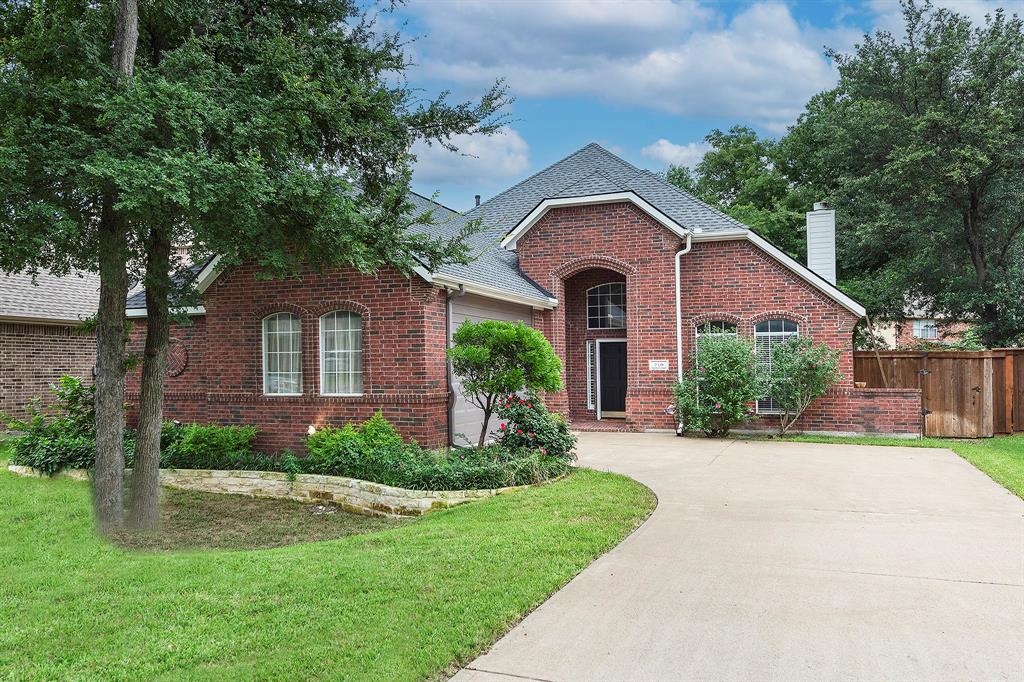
x=964, y=394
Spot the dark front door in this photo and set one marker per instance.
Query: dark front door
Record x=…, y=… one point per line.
x=613, y=378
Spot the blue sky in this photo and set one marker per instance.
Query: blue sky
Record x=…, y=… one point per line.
x=648, y=79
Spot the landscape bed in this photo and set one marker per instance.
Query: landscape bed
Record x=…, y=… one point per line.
x=350, y=494
x=406, y=603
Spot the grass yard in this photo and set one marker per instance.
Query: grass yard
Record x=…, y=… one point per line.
x=1002, y=457
x=403, y=603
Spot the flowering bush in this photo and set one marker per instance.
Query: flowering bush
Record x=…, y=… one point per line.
x=717, y=393
x=526, y=423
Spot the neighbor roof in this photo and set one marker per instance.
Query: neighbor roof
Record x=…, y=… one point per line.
x=48, y=298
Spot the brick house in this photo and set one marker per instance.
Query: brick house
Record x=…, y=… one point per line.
x=40, y=335
x=587, y=251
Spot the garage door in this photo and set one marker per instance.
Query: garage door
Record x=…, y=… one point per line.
x=467, y=419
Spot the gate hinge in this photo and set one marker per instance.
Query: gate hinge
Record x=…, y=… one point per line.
x=925, y=412
x=924, y=372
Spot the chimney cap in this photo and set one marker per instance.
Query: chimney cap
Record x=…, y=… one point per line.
x=821, y=206
x=476, y=197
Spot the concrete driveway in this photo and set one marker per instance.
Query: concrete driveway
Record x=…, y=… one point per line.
x=787, y=561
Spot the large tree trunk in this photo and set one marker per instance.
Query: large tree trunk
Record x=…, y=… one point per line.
x=108, y=472
x=144, y=506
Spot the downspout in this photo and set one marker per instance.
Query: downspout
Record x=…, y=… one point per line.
x=451, y=293
x=679, y=316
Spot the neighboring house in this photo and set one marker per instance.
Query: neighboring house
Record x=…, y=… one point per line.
x=40, y=335
x=586, y=250
x=921, y=327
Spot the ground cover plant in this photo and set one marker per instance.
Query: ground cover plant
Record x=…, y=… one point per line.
x=402, y=604
x=1001, y=457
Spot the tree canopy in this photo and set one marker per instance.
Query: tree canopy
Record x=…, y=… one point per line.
x=920, y=148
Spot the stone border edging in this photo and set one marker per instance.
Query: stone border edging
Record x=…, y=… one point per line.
x=351, y=494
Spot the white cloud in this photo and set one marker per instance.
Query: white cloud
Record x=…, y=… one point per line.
x=890, y=15
x=672, y=154
x=672, y=55
x=480, y=158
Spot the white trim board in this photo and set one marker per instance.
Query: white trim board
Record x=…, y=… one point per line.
x=493, y=292
x=141, y=312
x=509, y=242
x=792, y=264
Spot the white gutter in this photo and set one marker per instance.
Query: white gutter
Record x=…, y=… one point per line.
x=492, y=292
x=679, y=309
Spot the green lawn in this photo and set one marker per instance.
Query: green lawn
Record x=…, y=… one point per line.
x=1002, y=458
x=403, y=603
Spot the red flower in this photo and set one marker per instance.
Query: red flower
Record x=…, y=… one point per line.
x=531, y=434
x=530, y=405
x=502, y=426
x=519, y=431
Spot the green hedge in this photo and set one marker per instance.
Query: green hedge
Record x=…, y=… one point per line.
x=371, y=451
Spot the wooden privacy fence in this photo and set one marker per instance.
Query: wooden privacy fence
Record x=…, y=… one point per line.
x=964, y=394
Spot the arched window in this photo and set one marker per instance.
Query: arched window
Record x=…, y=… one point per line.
x=282, y=354
x=768, y=335
x=341, y=353
x=606, y=306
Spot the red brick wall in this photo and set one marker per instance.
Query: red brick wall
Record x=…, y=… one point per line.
x=403, y=355
x=33, y=356
x=732, y=280
x=858, y=410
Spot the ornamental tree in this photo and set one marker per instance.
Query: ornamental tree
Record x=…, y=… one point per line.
x=496, y=359
x=717, y=392
x=276, y=132
x=802, y=371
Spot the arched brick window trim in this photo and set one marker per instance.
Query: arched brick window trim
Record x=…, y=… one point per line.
x=802, y=320
x=347, y=306
x=697, y=320
x=267, y=310
x=567, y=270
x=368, y=339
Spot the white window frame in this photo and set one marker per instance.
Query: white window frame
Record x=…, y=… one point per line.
x=591, y=368
x=773, y=339
x=701, y=334
x=625, y=317
x=921, y=327
x=322, y=357
x=265, y=352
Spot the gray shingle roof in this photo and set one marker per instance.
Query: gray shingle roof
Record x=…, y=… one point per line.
x=591, y=170
x=137, y=297
x=49, y=298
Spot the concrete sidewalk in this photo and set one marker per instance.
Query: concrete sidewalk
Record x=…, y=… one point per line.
x=787, y=561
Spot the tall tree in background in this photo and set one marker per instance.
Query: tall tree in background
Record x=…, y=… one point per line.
x=921, y=147
x=276, y=132
x=743, y=175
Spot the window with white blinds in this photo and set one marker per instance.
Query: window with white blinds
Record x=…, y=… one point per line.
x=767, y=336
x=341, y=353
x=282, y=354
x=926, y=329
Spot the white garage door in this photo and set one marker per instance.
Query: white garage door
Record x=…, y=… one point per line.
x=467, y=418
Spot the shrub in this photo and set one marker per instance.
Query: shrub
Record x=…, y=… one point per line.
x=494, y=359
x=61, y=436
x=802, y=371
x=210, y=446
x=716, y=394
x=375, y=452
x=527, y=424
